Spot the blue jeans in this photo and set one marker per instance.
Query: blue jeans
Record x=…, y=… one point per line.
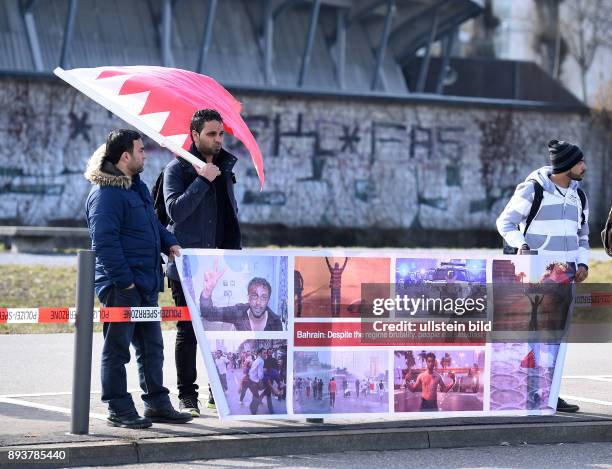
x=146, y=337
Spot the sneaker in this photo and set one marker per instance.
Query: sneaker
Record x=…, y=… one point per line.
x=563, y=406
x=190, y=405
x=211, y=405
x=133, y=421
x=167, y=415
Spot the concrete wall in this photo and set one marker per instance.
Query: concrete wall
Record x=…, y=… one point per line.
x=338, y=171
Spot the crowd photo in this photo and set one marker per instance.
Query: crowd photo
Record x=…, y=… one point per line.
x=252, y=375
x=337, y=382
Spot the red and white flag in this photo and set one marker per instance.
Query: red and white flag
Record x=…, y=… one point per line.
x=160, y=101
x=529, y=361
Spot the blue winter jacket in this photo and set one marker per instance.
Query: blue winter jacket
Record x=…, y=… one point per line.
x=124, y=230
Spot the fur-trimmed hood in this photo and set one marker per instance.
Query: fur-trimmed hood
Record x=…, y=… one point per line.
x=104, y=173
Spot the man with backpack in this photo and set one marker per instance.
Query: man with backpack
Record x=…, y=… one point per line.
x=201, y=212
x=548, y=213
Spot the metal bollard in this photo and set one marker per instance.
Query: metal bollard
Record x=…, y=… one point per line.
x=83, y=337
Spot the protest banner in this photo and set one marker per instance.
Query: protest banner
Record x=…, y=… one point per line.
x=344, y=333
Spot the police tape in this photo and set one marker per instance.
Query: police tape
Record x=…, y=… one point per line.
x=593, y=299
x=179, y=313
x=115, y=314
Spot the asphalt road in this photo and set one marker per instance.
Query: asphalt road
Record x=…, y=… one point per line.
x=41, y=364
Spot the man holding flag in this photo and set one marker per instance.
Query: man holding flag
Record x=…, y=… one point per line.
x=159, y=101
x=202, y=213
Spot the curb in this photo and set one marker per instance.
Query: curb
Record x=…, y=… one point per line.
x=315, y=441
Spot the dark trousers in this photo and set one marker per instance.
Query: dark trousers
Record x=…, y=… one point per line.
x=146, y=338
x=185, y=349
x=243, y=389
x=429, y=406
x=298, y=303
x=335, y=302
x=268, y=393
x=223, y=379
x=255, y=401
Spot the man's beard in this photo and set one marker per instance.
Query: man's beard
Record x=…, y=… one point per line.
x=576, y=177
x=206, y=150
x=136, y=169
x=258, y=316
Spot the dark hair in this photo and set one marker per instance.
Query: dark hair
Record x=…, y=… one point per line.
x=119, y=141
x=200, y=117
x=430, y=355
x=259, y=281
x=550, y=267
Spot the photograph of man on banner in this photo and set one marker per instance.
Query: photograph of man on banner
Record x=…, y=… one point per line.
x=241, y=293
x=446, y=380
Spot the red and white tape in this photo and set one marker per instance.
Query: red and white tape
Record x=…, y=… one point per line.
x=178, y=313
x=593, y=300
x=68, y=315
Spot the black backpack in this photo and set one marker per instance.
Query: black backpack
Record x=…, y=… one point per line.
x=159, y=205
x=535, y=206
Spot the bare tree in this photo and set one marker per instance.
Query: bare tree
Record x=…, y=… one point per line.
x=586, y=27
x=602, y=116
x=602, y=107
x=482, y=44
x=547, y=41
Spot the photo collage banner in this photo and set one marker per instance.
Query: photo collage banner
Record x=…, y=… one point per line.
x=347, y=333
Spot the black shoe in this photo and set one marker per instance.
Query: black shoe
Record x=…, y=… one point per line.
x=563, y=406
x=211, y=399
x=133, y=421
x=167, y=415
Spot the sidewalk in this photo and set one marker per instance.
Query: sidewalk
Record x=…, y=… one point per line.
x=208, y=438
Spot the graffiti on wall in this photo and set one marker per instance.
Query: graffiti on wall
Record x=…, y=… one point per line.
x=327, y=163
x=381, y=172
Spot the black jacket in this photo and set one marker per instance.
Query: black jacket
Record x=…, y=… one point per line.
x=191, y=204
x=606, y=235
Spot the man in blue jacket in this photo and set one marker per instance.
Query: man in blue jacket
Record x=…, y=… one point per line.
x=128, y=239
x=202, y=209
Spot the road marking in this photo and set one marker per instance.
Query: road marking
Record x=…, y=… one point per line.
x=41, y=394
x=586, y=399
x=604, y=378
x=52, y=408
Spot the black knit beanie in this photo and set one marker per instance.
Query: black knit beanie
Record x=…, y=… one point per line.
x=563, y=155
